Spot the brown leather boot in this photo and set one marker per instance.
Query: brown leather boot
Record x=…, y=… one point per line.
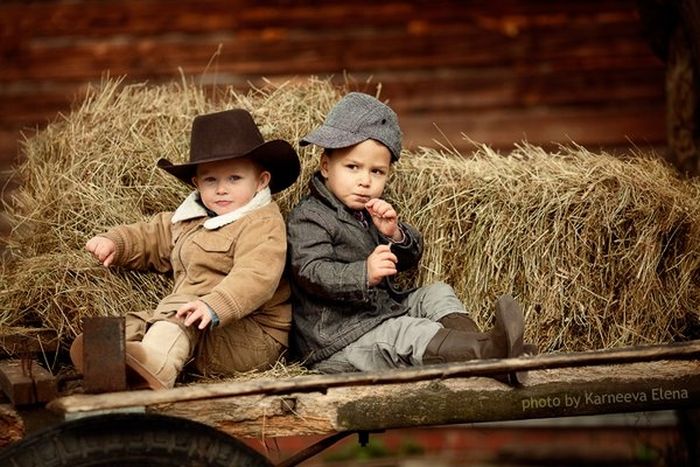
x=505, y=340
x=160, y=357
x=462, y=322
x=459, y=321
x=453, y=345
x=510, y=325
x=506, y=306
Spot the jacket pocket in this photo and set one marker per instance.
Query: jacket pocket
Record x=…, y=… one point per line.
x=212, y=242
x=210, y=255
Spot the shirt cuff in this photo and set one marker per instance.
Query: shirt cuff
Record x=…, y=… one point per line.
x=214, y=317
x=404, y=238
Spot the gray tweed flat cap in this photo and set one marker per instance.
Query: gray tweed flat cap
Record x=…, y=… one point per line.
x=355, y=118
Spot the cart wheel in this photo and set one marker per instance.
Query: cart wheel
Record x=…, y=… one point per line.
x=131, y=440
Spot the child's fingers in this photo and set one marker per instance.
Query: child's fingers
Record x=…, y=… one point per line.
x=101, y=248
x=184, y=310
x=387, y=267
x=385, y=211
x=384, y=272
x=382, y=249
x=204, y=321
x=386, y=255
x=193, y=317
x=380, y=259
x=108, y=260
x=380, y=208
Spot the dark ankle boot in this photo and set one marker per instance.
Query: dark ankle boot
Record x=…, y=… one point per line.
x=510, y=325
x=505, y=340
x=453, y=345
x=459, y=321
x=510, y=317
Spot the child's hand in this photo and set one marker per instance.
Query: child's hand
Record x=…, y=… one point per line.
x=194, y=311
x=384, y=218
x=381, y=263
x=102, y=248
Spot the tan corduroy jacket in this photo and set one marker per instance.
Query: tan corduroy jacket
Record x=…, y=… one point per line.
x=235, y=268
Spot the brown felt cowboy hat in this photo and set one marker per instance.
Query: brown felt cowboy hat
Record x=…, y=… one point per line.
x=230, y=134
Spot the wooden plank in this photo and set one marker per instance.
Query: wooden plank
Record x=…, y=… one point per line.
x=89, y=19
x=477, y=90
x=493, y=115
x=9, y=146
x=502, y=127
x=549, y=393
x=25, y=108
x=445, y=58
x=415, y=91
x=590, y=127
x=78, y=403
x=16, y=385
x=26, y=382
x=104, y=360
x=290, y=52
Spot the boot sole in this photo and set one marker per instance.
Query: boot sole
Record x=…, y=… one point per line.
x=509, y=314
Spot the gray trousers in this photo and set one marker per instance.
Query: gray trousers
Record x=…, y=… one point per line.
x=401, y=341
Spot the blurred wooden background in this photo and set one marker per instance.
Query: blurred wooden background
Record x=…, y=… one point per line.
x=499, y=71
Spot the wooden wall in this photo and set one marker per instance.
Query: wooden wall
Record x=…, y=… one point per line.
x=499, y=71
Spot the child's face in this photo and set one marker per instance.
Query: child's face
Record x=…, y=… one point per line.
x=230, y=184
x=358, y=173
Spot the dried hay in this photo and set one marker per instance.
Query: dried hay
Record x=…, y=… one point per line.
x=601, y=251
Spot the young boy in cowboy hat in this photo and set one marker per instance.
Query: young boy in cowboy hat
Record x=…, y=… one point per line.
x=225, y=245
x=345, y=245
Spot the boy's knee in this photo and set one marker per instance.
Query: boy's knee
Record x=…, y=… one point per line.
x=439, y=290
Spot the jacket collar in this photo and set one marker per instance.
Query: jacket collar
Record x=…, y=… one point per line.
x=319, y=190
x=192, y=208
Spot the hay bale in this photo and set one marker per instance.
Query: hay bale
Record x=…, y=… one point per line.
x=601, y=251
x=95, y=168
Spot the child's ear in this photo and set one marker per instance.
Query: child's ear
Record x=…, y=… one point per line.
x=264, y=179
x=194, y=182
x=324, y=165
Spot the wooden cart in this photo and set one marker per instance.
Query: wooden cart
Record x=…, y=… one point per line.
x=199, y=424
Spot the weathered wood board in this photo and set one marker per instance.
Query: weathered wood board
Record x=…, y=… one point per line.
x=499, y=71
x=435, y=395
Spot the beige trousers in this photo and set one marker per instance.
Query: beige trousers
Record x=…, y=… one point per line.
x=221, y=351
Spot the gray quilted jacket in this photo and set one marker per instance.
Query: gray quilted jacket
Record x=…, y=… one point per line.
x=328, y=249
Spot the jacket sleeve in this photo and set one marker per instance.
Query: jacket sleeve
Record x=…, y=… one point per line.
x=314, y=267
x=144, y=245
x=258, y=263
x=409, y=252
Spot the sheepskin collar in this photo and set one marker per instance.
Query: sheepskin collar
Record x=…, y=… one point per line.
x=192, y=208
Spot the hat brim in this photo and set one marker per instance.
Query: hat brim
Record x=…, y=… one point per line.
x=329, y=137
x=332, y=138
x=276, y=156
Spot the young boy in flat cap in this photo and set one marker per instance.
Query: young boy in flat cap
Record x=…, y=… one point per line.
x=226, y=248
x=345, y=245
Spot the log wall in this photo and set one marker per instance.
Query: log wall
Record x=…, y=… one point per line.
x=498, y=71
